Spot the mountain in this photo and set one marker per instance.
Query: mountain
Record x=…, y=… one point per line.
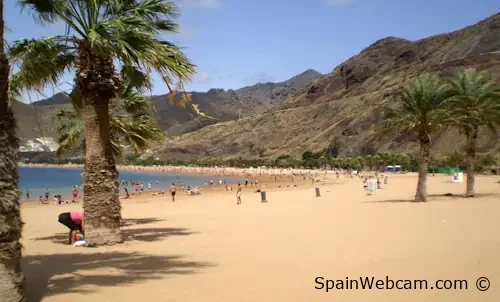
x=270, y=94
x=57, y=99
x=222, y=105
x=343, y=108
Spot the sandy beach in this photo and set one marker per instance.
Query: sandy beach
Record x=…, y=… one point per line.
x=206, y=248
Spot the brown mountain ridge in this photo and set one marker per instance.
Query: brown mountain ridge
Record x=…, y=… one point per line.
x=38, y=119
x=343, y=108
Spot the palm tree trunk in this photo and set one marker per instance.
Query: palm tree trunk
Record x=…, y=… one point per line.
x=471, y=161
x=96, y=84
x=11, y=277
x=425, y=146
x=101, y=204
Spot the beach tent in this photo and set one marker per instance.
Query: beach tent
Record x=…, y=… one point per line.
x=397, y=168
x=390, y=168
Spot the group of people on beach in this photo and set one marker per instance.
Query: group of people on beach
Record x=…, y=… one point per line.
x=45, y=198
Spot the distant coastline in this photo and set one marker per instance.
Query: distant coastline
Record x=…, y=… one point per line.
x=228, y=171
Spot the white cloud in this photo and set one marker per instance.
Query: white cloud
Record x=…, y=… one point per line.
x=339, y=2
x=259, y=77
x=202, y=77
x=204, y=4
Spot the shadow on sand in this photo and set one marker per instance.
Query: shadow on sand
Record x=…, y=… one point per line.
x=436, y=197
x=49, y=275
x=137, y=234
x=139, y=221
x=143, y=234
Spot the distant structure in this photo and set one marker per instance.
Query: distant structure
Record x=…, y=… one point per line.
x=41, y=144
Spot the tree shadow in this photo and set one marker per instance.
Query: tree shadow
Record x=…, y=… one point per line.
x=49, y=275
x=437, y=197
x=143, y=234
x=139, y=221
x=392, y=201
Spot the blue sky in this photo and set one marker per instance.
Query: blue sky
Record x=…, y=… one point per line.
x=236, y=43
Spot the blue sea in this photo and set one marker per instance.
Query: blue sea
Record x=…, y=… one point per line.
x=61, y=181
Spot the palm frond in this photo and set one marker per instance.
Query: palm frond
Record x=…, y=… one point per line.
x=41, y=62
x=474, y=102
x=71, y=12
x=420, y=107
x=70, y=131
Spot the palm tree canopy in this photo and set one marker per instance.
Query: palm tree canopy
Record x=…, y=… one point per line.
x=130, y=123
x=454, y=159
x=128, y=31
x=420, y=106
x=474, y=101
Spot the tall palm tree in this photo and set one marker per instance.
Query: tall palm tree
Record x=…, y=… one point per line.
x=419, y=112
x=130, y=122
x=11, y=277
x=475, y=103
x=100, y=37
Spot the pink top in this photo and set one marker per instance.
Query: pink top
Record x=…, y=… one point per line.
x=77, y=217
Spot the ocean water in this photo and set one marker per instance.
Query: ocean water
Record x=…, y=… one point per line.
x=61, y=181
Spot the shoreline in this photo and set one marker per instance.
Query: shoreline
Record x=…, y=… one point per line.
x=268, y=178
x=196, y=170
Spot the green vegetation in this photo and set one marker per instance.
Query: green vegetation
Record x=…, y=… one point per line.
x=376, y=162
x=419, y=113
x=130, y=123
x=431, y=104
x=475, y=103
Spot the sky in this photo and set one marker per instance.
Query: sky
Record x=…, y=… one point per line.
x=236, y=43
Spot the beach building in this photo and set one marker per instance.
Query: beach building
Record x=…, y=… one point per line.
x=48, y=143
x=31, y=146
x=41, y=144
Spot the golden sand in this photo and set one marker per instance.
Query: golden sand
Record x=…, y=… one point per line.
x=206, y=248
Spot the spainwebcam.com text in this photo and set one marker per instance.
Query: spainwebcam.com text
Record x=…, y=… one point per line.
x=481, y=284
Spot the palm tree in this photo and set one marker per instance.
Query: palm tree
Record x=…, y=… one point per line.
x=405, y=161
x=99, y=37
x=384, y=159
x=418, y=112
x=486, y=160
x=342, y=162
x=369, y=160
x=362, y=162
x=475, y=103
x=378, y=161
x=11, y=277
x=454, y=159
x=322, y=161
x=130, y=122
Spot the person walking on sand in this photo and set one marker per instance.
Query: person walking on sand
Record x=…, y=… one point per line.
x=46, y=194
x=74, y=192
x=172, y=191
x=238, y=195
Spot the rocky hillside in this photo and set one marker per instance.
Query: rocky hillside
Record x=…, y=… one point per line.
x=343, y=108
x=39, y=118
